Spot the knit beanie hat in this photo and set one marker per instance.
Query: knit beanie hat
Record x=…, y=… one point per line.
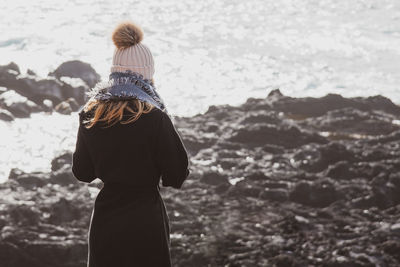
x=130, y=53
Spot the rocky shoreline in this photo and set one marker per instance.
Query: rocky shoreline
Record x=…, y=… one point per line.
x=278, y=181
x=62, y=91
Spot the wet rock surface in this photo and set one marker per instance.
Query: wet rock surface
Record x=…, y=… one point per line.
x=77, y=69
x=278, y=181
x=62, y=91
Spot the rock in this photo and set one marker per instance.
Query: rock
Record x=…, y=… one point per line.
x=275, y=93
x=75, y=89
x=273, y=149
x=218, y=112
x=384, y=193
x=63, y=108
x=63, y=176
x=24, y=215
x=67, y=107
x=37, y=90
x=47, y=105
x=77, y=69
x=266, y=190
x=15, y=173
x=11, y=67
x=63, y=211
x=211, y=127
x=286, y=135
x=61, y=160
x=222, y=188
x=73, y=104
x=290, y=225
x=18, y=105
x=256, y=104
x=28, y=180
x=315, y=107
x=315, y=157
x=12, y=255
x=365, y=202
x=279, y=195
x=317, y=194
x=257, y=176
x=30, y=72
x=6, y=115
x=29, y=87
x=3, y=223
x=261, y=116
x=244, y=189
x=395, y=228
x=392, y=247
x=394, y=136
x=340, y=170
x=214, y=178
x=197, y=259
x=194, y=144
x=284, y=261
x=353, y=121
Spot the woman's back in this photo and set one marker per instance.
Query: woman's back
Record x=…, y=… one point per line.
x=135, y=154
x=129, y=224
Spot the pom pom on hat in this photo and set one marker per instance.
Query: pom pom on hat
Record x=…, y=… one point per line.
x=127, y=34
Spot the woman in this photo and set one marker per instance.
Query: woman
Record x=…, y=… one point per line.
x=127, y=139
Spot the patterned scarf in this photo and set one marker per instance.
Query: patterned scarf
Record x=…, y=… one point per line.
x=125, y=86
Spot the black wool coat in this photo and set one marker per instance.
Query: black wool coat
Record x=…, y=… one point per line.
x=129, y=225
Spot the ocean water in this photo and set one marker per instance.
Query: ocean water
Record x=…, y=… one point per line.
x=206, y=53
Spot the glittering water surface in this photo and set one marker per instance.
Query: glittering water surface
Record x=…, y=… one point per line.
x=30, y=144
x=206, y=52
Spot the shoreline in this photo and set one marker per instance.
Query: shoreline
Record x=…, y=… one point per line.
x=265, y=189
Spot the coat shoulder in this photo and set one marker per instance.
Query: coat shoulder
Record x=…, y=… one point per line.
x=155, y=114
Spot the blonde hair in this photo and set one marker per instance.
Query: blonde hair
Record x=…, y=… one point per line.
x=112, y=112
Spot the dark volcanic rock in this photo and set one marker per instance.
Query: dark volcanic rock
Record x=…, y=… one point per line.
x=67, y=106
x=63, y=176
x=392, y=247
x=77, y=69
x=19, y=106
x=354, y=121
x=315, y=158
x=24, y=215
x=38, y=90
x=245, y=188
x=11, y=67
x=286, y=135
x=317, y=194
x=340, y=170
x=63, y=108
x=315, y=107
x=214, y=178
x=61, y=160
x=6, y=115
x=279, y=195
x=35, y=90
x=28, y=180
x=63, y=211
x=267, y=189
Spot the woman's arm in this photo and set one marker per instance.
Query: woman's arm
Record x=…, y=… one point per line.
x=82, y=165
x=171, y=154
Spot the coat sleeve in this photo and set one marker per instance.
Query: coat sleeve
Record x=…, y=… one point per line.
x=82, y=164
x=171, y=154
